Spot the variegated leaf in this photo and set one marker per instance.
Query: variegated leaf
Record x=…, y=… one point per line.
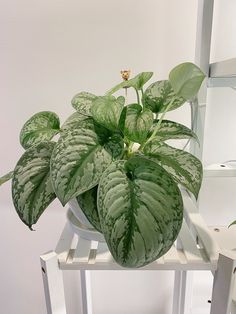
x=172, y=130
x=106, y=110
x=6, y=177
x=137, y=123
x=82, y=102
x=32, y=190
x=136, y=82
x=75, y=121
x=79, y=159
x=186, y=79
x=140, y=209
x=158, y=96
x=39, y=128
x=88, y=203
x=185, y=168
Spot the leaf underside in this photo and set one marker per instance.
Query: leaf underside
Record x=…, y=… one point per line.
x=140, y=209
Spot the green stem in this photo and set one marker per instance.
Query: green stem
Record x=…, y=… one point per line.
x=158, y=124
x=138, y=98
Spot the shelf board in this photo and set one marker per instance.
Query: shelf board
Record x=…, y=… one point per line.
x=222, y=74
x=220, y=170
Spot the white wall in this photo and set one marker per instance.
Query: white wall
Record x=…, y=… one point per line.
x=49, y=50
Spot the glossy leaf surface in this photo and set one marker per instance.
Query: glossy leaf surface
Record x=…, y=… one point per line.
x=42, y=126
x=32, y=190
x=140, y=209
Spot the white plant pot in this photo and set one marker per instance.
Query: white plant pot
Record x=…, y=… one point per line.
x=80, y=224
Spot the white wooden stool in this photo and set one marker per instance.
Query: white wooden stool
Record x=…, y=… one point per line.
x=197, y=248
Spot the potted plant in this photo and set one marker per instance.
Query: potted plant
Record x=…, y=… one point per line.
x=129, y=195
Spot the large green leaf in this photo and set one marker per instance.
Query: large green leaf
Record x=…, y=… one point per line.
x=40, y=127
x=74, y=121
x=82, y=102
x=186, y=79
x=136, y=82
x=79, y=159
x=172, y=130
x=32, y=190
x=185, y=168
x=137, y=123
x=6, y=177
x=106, y=110
x=158, y=96
x=140, y=209
x=88, y=203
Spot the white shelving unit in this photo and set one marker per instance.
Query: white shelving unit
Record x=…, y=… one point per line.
x=198, y=247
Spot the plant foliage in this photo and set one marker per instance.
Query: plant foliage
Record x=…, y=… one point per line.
x=129, y=194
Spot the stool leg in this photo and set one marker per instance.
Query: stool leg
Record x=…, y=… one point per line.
x=83, y=292
x=182, y=299
x=223, y=284
x=53, y=284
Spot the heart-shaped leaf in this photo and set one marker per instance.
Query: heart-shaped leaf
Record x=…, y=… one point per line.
x=32, y=190
x=172, y=130
x=6, y=177
x=82, y=102
x=79, y=159
x=136, y=82
x=42, y=126
x=88, y=203
x=137, y=123
x=140, y=209
x=106, y=110
x=158, y=96
x=186, y=80
x=185, y=168
x=75, y=121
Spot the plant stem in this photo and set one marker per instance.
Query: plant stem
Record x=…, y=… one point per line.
x=158, y=123
x=138, y=98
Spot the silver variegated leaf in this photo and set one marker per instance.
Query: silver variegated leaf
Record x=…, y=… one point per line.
x=136, y=82
x=79, y=159
x=75, y=121
x=185, y=168
x=6, y=177
x=106, y=110
x=82, y=102
x=140, y=209
x=88, y=203
x=172, y=130
x=137, y=123
x=42, y=126
x=186, y=79
x=158, y=96
x=32, y=190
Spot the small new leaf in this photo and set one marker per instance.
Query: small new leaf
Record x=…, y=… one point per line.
x=137, y=123
x=42, y=126
x=136, y=82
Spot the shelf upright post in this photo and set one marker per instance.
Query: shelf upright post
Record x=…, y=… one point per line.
x=202, y=59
